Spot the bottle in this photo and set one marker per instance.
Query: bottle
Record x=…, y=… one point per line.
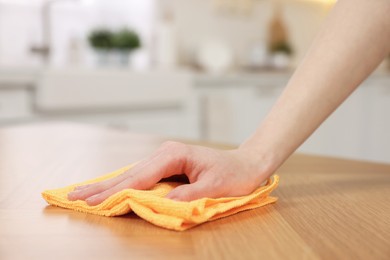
x=74, y=51
x=166, y=45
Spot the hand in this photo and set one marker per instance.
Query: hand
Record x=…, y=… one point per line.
x=211, y=173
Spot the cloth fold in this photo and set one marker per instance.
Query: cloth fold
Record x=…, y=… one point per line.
x=152, y=205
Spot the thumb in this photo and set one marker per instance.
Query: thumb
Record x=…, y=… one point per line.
x=189, y=192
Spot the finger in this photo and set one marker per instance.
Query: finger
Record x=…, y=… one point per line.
x=161, y=167
x=194, y=191
x=86, y=191
x=82, y=187
x=140, y=182
x=83, y=192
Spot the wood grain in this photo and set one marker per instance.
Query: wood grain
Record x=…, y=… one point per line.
x=328, y=208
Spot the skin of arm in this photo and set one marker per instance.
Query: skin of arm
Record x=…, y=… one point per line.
x=354, y=40
x=352, y=43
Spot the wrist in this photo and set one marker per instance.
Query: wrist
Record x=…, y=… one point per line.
x=265, y=161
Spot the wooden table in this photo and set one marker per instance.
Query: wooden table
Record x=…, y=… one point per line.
x=328, y=208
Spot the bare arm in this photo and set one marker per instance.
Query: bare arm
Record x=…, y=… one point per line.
x=355, y=39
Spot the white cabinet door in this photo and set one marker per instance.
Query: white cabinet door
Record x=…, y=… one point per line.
x=73, y=89
x=15, y=103
x=222, y=111
x=377, y=138
x=261, y=100
x=147, y=102
x=230, y=114
x=342, y=133
x=358, y=129
x=168, y=123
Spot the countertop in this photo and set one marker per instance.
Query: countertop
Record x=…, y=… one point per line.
x=328, y=208
x=32, y=75
x=19, y=77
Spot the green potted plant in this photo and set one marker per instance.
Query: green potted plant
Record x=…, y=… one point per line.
x=280, y=53
x=281, y=47
x=100, y=40
x=124, y=42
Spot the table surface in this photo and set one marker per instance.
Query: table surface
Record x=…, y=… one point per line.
x=328, y=208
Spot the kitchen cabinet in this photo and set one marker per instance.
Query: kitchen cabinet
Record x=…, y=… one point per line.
x=376, y=141
x=231, y=109
x=97, y=89
x=217, y=108
x=16, y=94
x=15, y=102
x=344, y=132
x=169, y=122
x=264, y=95
x=360, y=127
x=147, y=102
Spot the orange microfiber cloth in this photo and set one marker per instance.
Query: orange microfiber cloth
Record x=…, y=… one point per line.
x=152, y=205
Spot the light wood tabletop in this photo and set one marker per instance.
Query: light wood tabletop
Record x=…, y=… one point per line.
x=328, y=208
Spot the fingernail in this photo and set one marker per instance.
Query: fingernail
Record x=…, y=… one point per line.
x=172, y=198
x=90, y=200
x=81, y=187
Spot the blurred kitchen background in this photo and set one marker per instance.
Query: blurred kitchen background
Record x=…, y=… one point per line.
x=199, y=69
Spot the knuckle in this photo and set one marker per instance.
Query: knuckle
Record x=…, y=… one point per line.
x=183, y=195
x=172, y=145
x=176, y=150
x=218, y=186
x=135, y=183
x=99, y=187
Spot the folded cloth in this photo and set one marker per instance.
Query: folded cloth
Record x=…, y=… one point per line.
x=152, y=205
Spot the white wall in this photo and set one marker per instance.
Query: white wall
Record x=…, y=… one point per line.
x=20, y=26
x=198, y=20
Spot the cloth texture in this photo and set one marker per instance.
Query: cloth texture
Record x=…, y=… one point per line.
x=152, y=205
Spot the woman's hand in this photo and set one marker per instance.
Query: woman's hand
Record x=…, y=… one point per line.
x=211, y=173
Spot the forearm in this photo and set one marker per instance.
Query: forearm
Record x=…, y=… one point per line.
x=354, y=40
